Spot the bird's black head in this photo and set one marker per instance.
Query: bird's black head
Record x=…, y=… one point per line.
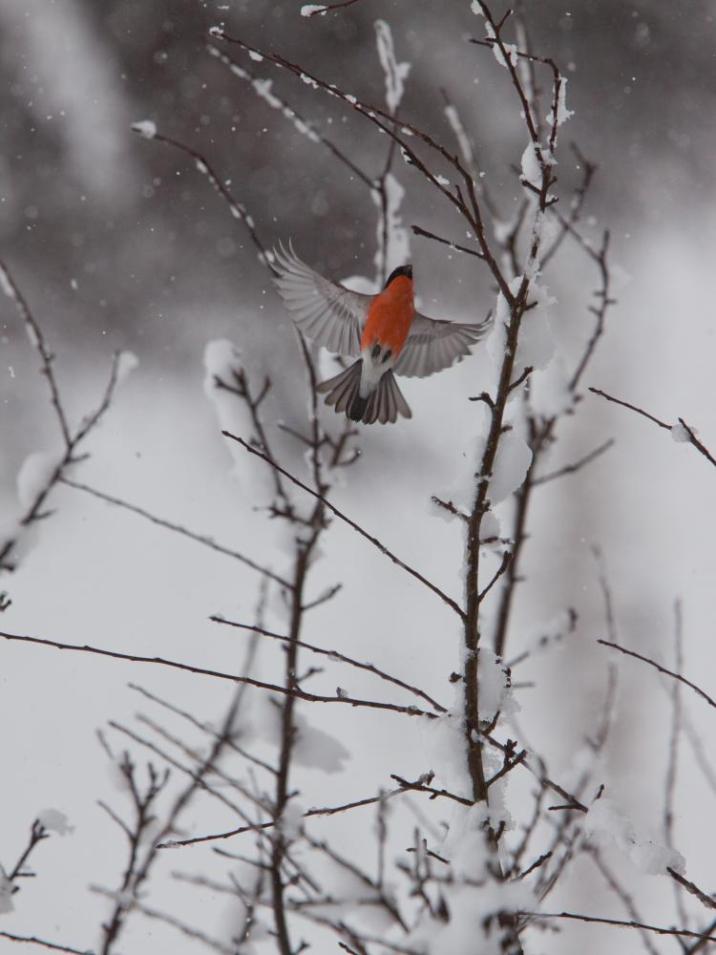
x=406, y=270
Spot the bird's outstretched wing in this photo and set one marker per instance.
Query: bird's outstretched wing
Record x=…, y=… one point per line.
x=328, y=313
x=433, y=345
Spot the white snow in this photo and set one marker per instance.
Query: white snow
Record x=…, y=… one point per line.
x=395, y=73
x=317, y=749
x=126, y=364
x=264, y=89
x=489, y=529
x=536, y=343
x=605, y=824
x=563, y=114
x=680, y=434
x=472, y=926
x=530, y=165
x=495, y=692
x=221, y=358
x=362, y=284
x=55, y=821
x=509, y=54
x=462, y=489
x=463, y=140
x=398, y=240
x=550, y=393
x=308, y=9
x=35, y=474
x=313, y=748
x=476, y=9
x=511, y=463
x=443, y=747
x=256, y=57
x=146, y=128
x=292, y=820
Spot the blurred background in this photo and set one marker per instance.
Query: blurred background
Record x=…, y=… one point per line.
x=119, y=243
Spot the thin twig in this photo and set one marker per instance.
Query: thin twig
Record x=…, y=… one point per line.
x=37, y=340
x=693, y=889
x=218, y=674
x=335, y=655
x=418, y=230
x=661, y=669
x=351, y=523
x=576, y=465
x=43, y=943
x=270, y=823
x=620, y=923
x=626, y=404
x=176, y=528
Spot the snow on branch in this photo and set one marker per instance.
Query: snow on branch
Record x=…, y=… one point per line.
x=681, y=432
x=395, y=73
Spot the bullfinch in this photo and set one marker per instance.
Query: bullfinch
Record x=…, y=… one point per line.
x=383, y=332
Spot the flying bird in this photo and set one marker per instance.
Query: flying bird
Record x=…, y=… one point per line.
x=383, y=332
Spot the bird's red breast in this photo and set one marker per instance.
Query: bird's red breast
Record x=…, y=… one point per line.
x=390, y=315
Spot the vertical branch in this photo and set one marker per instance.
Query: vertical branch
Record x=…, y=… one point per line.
x=516, y=302
x=677, y=726
x=37, y=340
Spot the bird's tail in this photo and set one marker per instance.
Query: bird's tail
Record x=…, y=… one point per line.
x=384, y=404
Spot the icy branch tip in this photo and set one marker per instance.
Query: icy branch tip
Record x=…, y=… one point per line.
x=145, y=128
x=311, y=9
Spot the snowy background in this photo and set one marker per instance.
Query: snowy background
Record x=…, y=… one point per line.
x=119, y=243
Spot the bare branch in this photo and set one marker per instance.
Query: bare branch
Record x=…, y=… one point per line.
x=177, y=529
x=661, y=669
x=576, y=465
x=37, y=340
x=620, y=923
x=621, y=893
x=323, y=811
x=693, y=889
x=334, y=655
x=455, y=246
x=351, y=523
x=238, y=210
x=218, y=674
x=43, y=943
x=290, y=113
x=625, y=404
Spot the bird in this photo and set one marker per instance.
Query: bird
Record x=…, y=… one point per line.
x=383, y=332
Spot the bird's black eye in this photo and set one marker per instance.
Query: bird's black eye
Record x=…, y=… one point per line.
x=386, y=356
x=375, y=351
